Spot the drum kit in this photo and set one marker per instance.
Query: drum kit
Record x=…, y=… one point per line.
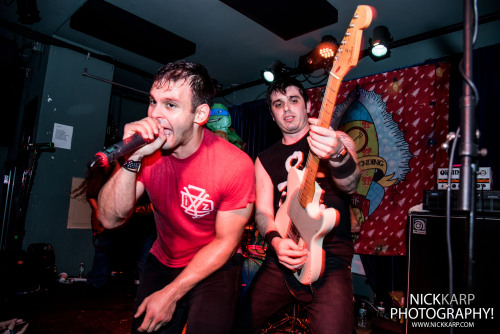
x=292, y=320
x=254, y=252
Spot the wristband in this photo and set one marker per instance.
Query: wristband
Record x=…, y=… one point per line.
x=341, y=155
x=132, y=166
x=345, y=170
x=270, y=236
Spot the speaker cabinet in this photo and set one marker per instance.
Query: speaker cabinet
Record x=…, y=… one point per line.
x=428, y=293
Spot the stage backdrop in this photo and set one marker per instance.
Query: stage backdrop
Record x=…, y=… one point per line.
x=398, y=121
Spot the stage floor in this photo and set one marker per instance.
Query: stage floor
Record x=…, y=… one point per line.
x=75, y=309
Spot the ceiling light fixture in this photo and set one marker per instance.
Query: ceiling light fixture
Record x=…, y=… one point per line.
x=380, y=43
x=321, y=57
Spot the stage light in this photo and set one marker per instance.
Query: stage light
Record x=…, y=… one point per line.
x=218, y=87
x=268, y=75
x=321, y=57
x=395, y=84
x=271, y=73
x=328, y=47
x=379, y=43
x=439, y=71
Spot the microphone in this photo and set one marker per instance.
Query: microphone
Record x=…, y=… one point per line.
x=118, y=150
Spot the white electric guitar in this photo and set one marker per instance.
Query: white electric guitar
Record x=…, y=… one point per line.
x=301, y=217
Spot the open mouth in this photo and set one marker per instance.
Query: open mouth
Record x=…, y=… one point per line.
x=214, y=120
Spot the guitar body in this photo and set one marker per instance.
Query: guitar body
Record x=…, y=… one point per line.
x=307, y=226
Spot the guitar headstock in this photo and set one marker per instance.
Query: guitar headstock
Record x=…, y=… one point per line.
x=349, y=49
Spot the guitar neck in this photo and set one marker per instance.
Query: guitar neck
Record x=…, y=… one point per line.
x=346, y=58
x=306, y=191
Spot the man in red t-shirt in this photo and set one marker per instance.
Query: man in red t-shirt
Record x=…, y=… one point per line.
x=202, y=189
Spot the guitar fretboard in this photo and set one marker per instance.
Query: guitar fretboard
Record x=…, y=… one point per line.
x=345, y=59
x=306, y=191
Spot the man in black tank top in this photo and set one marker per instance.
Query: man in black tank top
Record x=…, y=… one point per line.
x=329, y=299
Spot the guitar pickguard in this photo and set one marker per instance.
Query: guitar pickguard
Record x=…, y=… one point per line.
x=312, y=224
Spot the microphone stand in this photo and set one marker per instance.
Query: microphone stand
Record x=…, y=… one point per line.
x=19, y=183
x=468, y=147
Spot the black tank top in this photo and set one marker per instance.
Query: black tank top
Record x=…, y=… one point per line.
x=277, y=160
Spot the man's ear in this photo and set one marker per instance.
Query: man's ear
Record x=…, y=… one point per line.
x=308, y=107
x=202, y=114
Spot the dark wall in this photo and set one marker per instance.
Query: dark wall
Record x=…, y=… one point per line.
x=486, y=75
x=10, y=88
x=67, y=98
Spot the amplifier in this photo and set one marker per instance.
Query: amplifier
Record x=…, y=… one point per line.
x=486, y=200
x=484, y=179
x=429, y=274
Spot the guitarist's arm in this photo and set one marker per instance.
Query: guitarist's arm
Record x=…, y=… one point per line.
x=289, y=253
x=346, y=172
x=327, y=144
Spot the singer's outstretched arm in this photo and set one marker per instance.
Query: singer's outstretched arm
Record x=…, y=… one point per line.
x=117, y=198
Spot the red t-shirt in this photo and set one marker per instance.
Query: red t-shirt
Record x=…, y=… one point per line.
x=187, y=193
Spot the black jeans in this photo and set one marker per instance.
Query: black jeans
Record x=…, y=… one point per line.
x=328, y=301
x=209, y=307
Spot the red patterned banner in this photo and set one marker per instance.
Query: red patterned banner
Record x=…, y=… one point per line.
x=397, y=120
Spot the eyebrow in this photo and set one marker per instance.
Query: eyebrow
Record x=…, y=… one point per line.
x=163, y=100
x=168, y=99
x=287, y=97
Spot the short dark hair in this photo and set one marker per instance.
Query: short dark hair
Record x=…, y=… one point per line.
x=281, y=85
x=195, y=74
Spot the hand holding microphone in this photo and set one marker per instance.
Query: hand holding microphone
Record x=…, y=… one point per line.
x=130, y=144
x=116, y=151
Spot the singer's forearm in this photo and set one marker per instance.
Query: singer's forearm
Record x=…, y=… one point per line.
x=117, y=198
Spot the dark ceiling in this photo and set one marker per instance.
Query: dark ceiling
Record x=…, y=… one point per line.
x=234, y=39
